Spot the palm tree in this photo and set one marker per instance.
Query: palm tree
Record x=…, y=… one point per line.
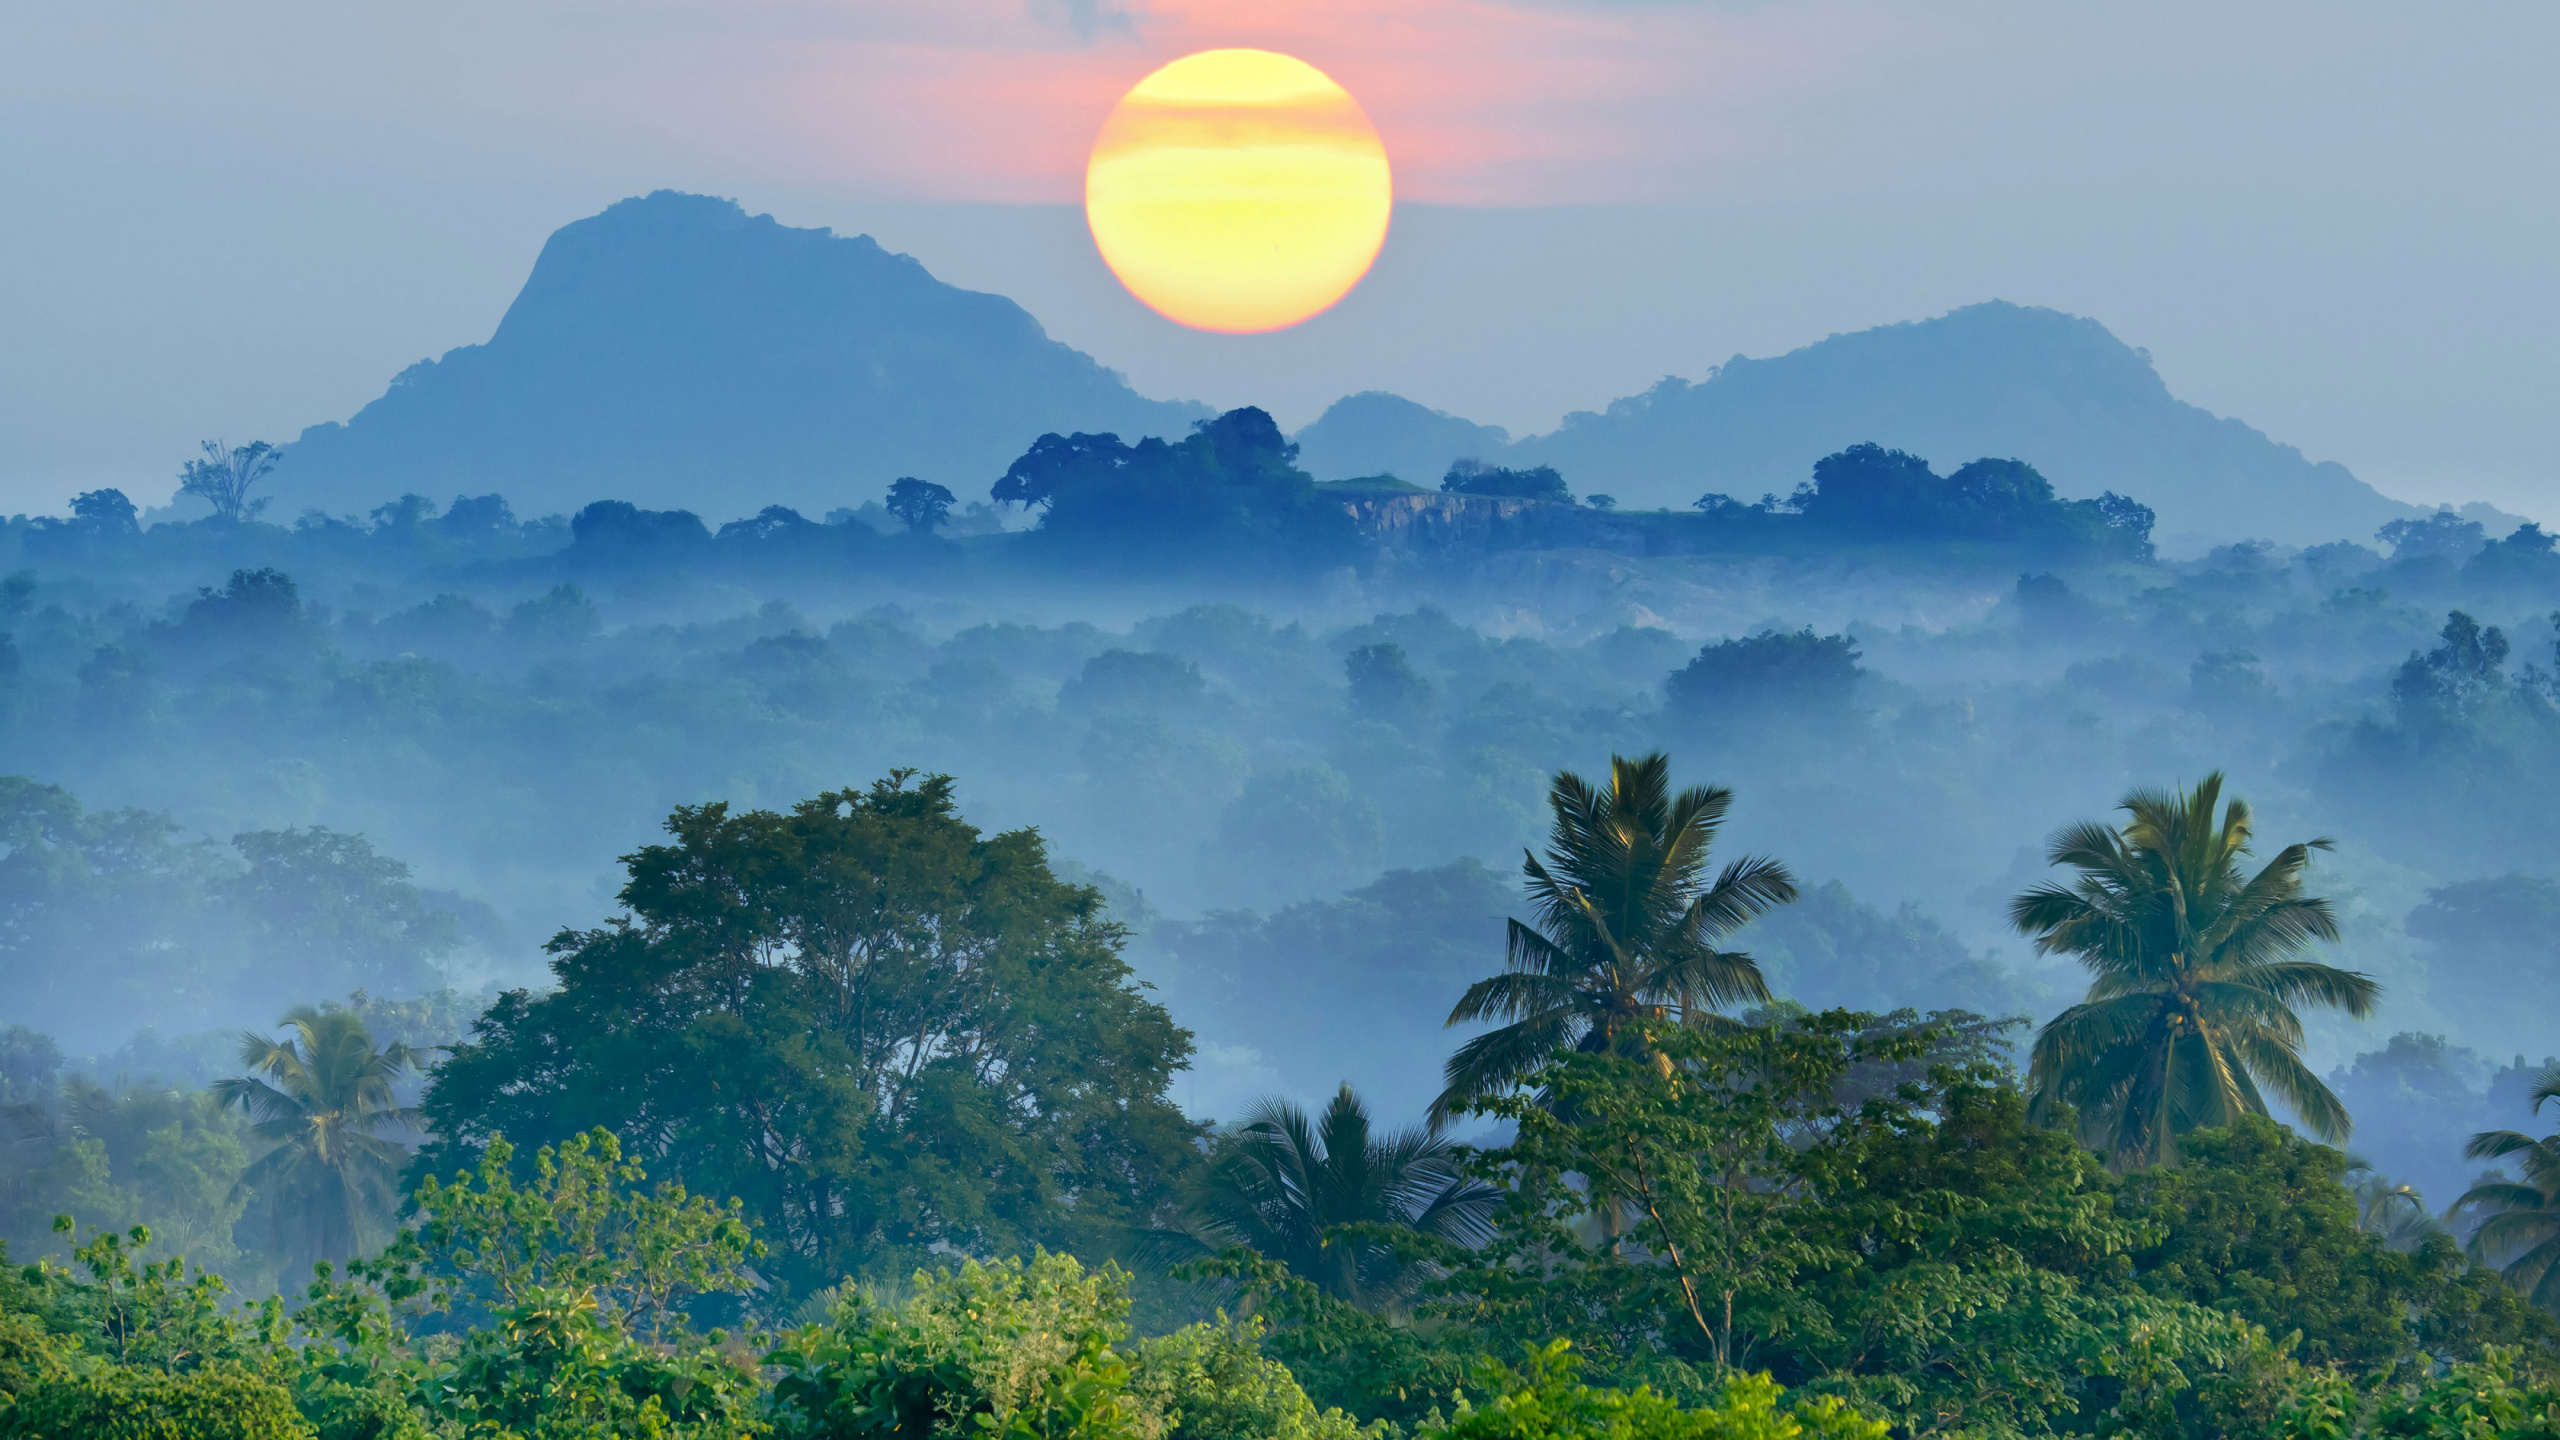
x=2190, y=1017
x=2521, y=1234
x=1286, y=1182
x=324, y=1097
x=1626, y=930
x=2396, y=1214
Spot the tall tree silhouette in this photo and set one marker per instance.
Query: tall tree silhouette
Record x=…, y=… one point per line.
x=225, y=476
x=321, y=1097
x=1625, y=932
x=2196, y=969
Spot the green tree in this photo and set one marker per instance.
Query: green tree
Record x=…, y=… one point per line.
x=1314, y=1193
x=1213, y=1382
x=1379, y=1367
x=1691, y=1165
x=921, y=504
x=584, y=1227
x=1922, y=1250
x=1384, y=685
x=105, y=910
x=1012, y=1349
x=325, y=913
x=224, y=477
x=150, y=1155
x=2519, y=1226
x=2190, y=1017
x=879, y=1028
x=1228, y=495
x=1772, y=683
x=165, y=1315
x=557, y=1310
x=1985, y=1293
x=321, y=1097
x=2259, y=1223
x=1624, y=944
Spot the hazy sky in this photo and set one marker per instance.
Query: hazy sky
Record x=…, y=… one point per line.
x=2334, y=220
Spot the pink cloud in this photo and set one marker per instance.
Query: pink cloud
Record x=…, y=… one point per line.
x=1479, y=102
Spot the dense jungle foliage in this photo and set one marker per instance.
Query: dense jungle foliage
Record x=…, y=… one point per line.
x=894, y=1044
x=904, y=1109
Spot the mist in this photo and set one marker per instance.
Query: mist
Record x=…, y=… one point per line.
x=262, y=765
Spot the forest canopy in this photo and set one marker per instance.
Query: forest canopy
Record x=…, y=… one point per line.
x=1242, y=769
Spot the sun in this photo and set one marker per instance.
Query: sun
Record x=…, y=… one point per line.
x=1238, y=191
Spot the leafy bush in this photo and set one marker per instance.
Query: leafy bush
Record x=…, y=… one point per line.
x=138, y=1404
x=1546, y=1400
x=1031, y=1350
x=1212, y=1382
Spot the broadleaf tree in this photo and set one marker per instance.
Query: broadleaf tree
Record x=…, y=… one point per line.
x=877, y=1027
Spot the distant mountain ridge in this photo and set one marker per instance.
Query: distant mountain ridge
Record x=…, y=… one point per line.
x=1996, y=379
x=673, y=351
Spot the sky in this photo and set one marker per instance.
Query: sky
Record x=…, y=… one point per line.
x=2332, y=220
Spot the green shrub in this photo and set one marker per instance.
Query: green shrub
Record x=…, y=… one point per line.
x=1212, y=1382
x=343, y=1411
x=550, y=1369
x=2482, y=1400
x=1547, y=1401
x=1034, y=1351
x=1008, y=1351
x=132, y=1404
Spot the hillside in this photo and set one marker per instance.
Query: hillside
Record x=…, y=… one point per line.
x=1375, y=433
x=675, y=351
x=1996, y=379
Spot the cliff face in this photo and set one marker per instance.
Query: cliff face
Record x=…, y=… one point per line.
x=678, y=353
x=1447, y=524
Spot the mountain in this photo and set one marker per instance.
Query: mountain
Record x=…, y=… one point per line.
x=676, y=352
x=1375, y=433
x=1996, y=379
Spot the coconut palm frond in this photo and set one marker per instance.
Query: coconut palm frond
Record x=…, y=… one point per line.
x=2197, y=975
x=2546, y=1084
x=1309, y=1191
x=2076, y=1053
x=2291, y=983
x=1708, y=981
x=1748, y=889
x=1495, y=1060
x=1623, y=933
x=2276, y=1064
